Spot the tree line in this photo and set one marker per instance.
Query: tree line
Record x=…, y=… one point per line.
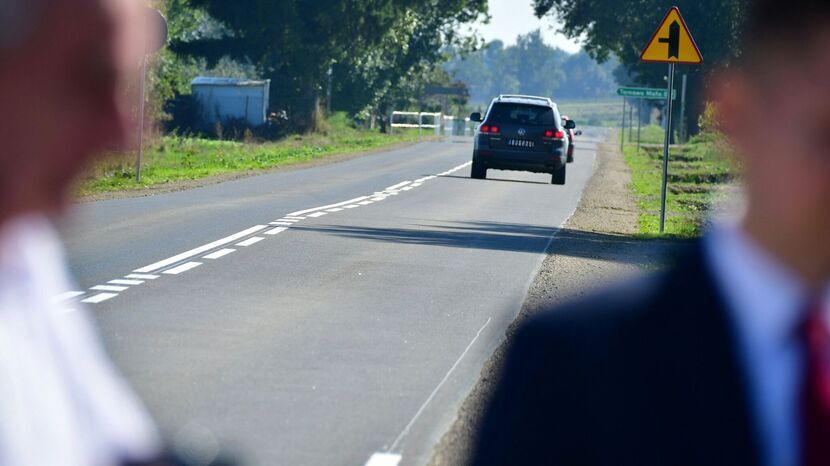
x=371, y=56
x=531, y=67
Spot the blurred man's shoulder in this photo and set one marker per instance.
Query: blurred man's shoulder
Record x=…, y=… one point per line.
x=636, y=308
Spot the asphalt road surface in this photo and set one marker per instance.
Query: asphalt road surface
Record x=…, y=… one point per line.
x=335, y=315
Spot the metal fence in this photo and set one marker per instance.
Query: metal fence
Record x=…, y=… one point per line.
x=440, y=124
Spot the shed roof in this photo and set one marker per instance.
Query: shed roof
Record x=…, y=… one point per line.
x=233, y=82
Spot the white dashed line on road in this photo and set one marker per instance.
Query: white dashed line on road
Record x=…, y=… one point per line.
x=276, y=231
x=125, y=282
x=250, y=241
x=114, y=288
x=200, y=250
x=99, y=298
x=384, y=459
x=214, y=252
x=142, y=276
x=220, y=253
x=182, y=268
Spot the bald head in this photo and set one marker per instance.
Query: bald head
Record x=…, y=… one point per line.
x=65, y=66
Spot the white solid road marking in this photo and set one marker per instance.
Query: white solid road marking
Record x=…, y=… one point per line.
x=289, y=220
x=335, y=210
x=384, y=459
x=201, y=249
x=142, y=276
x=366, y=202
x=294, y=217
x=405, y=431
x=99, y=298
x=68, y=295
x=125, y=282
x=410, y=187
x=219, y=253
x=182, y=268
x=250, y=241
x=353, y=206
x=282, y=224
x=276, y=231
x=330, y=206
x=317, y=214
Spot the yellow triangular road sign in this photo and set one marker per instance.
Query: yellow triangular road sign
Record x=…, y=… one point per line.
x=672, y=42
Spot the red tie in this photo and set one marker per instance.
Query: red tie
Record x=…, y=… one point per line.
x=815, y=395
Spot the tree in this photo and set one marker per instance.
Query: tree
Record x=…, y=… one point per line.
x=622, y=27
x=531, y=67
x=296, y=42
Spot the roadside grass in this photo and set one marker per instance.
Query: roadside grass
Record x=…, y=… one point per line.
x=173, y=158
x=698, y=173
x=593, y=112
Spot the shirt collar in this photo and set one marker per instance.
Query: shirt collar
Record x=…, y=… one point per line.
x=766, y=299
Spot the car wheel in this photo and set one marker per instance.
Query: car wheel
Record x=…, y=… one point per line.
x=478, y=171
x=571, y=155
x=558, y=177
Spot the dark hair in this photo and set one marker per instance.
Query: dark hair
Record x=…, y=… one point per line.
x=773, y=24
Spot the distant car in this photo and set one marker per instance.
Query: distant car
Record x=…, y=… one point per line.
x=523, y=133
x=571, y=136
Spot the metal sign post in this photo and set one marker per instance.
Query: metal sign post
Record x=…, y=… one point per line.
x=622, y=127
x=671, y=43
x=639, y=122
x=666, y=152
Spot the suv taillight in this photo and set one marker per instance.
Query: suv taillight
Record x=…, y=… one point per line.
x=554, y=134
x=490, y=129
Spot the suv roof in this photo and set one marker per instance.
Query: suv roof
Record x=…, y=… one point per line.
x=525, y=99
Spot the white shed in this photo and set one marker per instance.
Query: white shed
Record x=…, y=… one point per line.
x=224, y=98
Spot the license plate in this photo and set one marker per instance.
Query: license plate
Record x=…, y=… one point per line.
x=521, y=143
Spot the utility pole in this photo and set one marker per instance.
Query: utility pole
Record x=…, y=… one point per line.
x=683, y=132
x=630, y=122
x=328, y=92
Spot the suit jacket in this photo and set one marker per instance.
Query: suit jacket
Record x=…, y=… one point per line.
x=644, y=374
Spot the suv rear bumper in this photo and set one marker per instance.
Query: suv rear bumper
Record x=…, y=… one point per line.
x=537, y=162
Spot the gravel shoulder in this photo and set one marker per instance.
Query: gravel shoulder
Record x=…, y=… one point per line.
x=595, y=247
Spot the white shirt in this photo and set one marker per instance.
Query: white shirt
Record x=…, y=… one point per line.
x=767, y=303
x=61, y=402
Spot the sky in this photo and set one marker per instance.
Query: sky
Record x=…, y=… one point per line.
x=510, y=18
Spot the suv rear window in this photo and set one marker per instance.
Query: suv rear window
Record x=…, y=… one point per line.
x=522, y=114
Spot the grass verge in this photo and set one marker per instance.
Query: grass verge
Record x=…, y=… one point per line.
x=698, y=173
x=171, y=159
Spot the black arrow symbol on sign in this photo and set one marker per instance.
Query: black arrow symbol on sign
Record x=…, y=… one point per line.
x=673, y=40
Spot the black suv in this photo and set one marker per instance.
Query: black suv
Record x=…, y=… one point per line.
x=521, y=133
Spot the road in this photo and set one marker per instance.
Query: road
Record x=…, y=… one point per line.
x=336, y=315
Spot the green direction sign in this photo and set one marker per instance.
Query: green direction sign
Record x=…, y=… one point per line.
x=646, y=93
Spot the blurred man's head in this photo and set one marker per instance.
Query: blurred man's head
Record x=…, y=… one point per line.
x=63, y=69
x=775, y=107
